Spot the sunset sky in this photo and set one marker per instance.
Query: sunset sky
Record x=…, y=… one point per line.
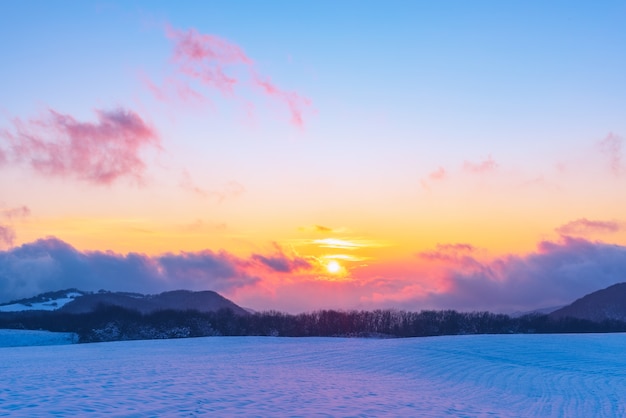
x=306, y=155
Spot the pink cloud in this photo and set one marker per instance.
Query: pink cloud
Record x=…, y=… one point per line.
x=611, y=147
x=222, y=65
x=7, y=231
x=439, y=174
x=186, y=183
x=201, y=226
x=19, y=212
x=295, y=102
x=447, y=252
x=482, y=167
x=7, y=235
x=206, y=57
x=59, y=145
x=584, y=226
x=172, y=88
x=229, y=190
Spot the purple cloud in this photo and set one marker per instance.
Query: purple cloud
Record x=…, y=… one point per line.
x=556, y=274
x=51, y=264
x=281, y=263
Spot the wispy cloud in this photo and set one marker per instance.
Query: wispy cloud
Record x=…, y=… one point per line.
x=438, y=174
x=216, y=63
x=230, y=189
x=322, y=229
x=99, y=152
x=7, y=235
x=485, y=166
x=293, y=100
x=342, y=244
x=585, y=226
x=344, y=257
x=488, y=165
x=611, y=148
x=7, y=218
x=281, y=262
x=448, y=252
x=15, y=213
x=199, y=225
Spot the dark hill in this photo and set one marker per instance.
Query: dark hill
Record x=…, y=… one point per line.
x=179, y=300
x=605, y=304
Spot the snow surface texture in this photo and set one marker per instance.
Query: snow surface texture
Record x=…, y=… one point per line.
x=19, y=338
x=49, y=305
x=468, y=376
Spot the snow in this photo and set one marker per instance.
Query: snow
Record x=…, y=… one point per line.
x=49, y=305
x=469, y=376
x=18, y=338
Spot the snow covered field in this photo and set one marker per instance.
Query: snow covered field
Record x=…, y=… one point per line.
x=468, y=376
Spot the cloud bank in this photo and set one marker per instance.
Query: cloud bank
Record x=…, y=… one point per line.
x=50, y=264
x=451, y=276
x=556, y=273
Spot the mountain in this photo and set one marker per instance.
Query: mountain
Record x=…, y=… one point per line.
x=49, y=301
x=76, y=302
x=540, y=311
x=605, y=304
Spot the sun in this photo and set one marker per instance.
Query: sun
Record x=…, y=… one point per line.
x=333, y=267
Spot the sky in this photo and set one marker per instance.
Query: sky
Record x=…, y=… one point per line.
x=312, y=155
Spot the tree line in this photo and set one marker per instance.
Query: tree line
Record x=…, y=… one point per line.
x=112, y=323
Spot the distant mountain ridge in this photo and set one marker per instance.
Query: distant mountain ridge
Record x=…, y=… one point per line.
x=119, y=316
x=77, y=302
x=599, y=306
